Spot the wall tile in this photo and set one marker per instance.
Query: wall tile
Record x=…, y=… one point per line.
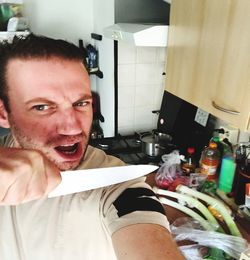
x=125, y=117
x=161, y=54
x=126, y=53
x=144, y=95
x=126, y=75
x=145, y=74
x=126, y=97
x=143, y=115
x=146, y=54
x=141, y=86
x=149, y=73
x=158, y=94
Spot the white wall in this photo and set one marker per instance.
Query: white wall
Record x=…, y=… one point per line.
x=70, y=20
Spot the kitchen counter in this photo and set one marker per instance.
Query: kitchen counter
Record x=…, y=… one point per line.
x=173, y=214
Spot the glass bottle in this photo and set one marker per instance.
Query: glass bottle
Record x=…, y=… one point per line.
x=189, y=165
x=210, y=160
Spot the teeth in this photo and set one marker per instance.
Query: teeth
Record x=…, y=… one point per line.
x=66, y=145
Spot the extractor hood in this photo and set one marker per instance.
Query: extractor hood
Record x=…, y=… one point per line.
x=138, y=34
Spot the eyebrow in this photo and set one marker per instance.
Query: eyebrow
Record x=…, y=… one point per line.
x=38, y=100
x=47, y=101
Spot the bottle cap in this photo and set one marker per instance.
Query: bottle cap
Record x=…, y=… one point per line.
x=190, y=150
x=213, y=145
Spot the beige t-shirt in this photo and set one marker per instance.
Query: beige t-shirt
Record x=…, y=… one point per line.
x=77, y=226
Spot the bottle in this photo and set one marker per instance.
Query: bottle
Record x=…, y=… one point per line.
x=210, y=160
x=227, y=172
x=189, y=165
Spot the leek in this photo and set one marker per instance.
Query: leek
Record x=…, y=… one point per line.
x=204, y=223
x=216, y=204
x=192, y=202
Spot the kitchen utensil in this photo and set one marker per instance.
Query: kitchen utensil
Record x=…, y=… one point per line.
x=162, y=137
x=154, y=143
x=150, y=146
x=82, y=180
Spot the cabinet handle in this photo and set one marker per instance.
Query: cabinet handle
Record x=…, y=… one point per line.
x=233, y=112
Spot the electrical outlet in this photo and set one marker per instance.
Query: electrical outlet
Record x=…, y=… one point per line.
x=201, y=117
x=231, y=134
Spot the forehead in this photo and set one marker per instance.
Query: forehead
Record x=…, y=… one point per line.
x=49, y=64
x=47, y=76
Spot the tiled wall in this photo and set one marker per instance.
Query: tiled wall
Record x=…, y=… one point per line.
x=140, y=86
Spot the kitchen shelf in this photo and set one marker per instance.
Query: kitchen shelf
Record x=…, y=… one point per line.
x=4, y=35
x=98, y=73
x=96, y=36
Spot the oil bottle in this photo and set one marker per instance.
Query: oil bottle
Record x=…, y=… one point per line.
x=210, y=160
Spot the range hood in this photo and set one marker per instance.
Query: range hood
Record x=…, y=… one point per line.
x=138, y=34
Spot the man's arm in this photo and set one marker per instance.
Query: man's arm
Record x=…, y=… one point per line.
x=145, y=242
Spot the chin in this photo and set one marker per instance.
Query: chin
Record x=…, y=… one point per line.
x=65, y=166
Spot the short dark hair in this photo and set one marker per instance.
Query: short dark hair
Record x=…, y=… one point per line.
x=33, y=47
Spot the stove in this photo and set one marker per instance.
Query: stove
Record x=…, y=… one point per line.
x=127, y=148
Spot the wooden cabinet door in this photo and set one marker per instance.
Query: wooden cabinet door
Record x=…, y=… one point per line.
x=208, y=57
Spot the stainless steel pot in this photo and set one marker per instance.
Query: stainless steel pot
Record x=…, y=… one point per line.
x=151, y=144
x=162, y=138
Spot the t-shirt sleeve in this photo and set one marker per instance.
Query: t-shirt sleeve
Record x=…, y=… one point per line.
x=129, y=203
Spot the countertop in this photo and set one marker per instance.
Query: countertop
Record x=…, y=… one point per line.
x=173, y=214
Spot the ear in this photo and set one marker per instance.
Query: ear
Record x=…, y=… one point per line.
x=4, y=121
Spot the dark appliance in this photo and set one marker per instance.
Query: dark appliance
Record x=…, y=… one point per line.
x=242, y=176
x=176, y=118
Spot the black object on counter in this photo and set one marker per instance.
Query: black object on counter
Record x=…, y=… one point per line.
x=242, y=178
x=176, y=118
x=242, y=172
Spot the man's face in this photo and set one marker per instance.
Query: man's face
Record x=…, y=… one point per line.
x=51, y=108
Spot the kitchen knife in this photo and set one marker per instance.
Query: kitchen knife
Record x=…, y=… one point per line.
x=82, y=180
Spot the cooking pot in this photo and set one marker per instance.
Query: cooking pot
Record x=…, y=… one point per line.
x=162, y=138
x=154, y=143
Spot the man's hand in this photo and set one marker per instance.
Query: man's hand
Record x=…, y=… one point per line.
x=25, y=175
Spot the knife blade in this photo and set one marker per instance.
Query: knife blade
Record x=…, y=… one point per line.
x=82, y=180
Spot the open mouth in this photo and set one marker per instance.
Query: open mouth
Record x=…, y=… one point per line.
x=69, y=149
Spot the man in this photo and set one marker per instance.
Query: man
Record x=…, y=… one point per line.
x=45, y=100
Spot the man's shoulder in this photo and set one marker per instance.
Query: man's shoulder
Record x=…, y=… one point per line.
x=96, y=158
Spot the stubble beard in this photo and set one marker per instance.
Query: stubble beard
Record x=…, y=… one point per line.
x=26, y=142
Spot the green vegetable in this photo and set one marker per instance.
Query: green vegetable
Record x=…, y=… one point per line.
x=215, y=204
x=193, y=203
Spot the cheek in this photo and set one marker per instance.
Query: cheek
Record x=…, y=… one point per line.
x=86, y=121
x=32, y=127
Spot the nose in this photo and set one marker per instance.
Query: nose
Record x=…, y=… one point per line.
x=69, y=123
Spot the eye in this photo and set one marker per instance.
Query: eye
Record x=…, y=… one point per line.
x=82, y=103
x=40, y=107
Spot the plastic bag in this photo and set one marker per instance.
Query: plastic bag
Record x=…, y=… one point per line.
x=170, y=171
x=189, y=229
x=193, y=252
